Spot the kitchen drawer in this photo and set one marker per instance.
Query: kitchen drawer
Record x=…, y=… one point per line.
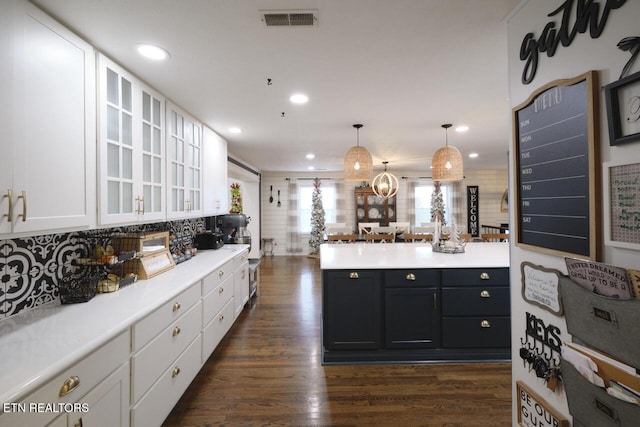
x=476, y=301
x=213, y=302
x=87, y=373
x=408, y=278
x=146, y=329
x=240, y=259
x=213, y=333
x=161, y=351
x=475, y=276
x=154, y=407
x=213, y=280
x=473, y=332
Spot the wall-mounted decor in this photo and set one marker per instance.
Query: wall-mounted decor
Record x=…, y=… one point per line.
x=533, y=410
x=589, y=15
x=540, y=287
x=557, y=182
x=622, y=195
x=623, y=109
x=504, y=201
x=473, y=211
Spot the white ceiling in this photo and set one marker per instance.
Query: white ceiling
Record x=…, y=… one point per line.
x=402, y=68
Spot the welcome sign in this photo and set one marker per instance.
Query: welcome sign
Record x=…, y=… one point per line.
x=473, y=215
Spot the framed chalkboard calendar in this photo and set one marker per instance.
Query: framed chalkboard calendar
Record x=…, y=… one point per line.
x=557, y=182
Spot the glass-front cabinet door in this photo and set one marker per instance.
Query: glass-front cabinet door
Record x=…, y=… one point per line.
x=131, y=150
x=184, y=164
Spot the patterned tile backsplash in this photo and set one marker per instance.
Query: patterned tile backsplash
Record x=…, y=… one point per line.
x=31, y=267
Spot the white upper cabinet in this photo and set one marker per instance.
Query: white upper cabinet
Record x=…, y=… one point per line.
x=47, y=147
x=214, y=174
x=184, y=164
x=131, y=148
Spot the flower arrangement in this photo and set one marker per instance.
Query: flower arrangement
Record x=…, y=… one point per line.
x=236, y=199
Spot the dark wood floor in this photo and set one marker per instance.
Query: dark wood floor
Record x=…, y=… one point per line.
x=267, y=371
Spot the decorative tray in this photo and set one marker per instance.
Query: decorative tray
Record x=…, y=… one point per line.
x=448, y=247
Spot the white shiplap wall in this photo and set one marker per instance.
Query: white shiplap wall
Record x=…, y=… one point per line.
x=491, y=183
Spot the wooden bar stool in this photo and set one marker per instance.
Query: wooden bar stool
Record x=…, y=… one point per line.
x=268, y=242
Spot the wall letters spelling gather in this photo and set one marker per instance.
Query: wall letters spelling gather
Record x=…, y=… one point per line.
x=587, y=16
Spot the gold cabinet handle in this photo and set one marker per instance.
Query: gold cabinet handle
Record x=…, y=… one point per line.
x=411, y=276
x=142, y=205
x=220, y=273
x=79, y=423
x=485, y=294
x=221, y=290
x=485, y=324
x=176, y=307
x=9, y=213
x=221, y=318
x=23, y=215
x=175, y=372
x=176, y=331
x=484, y=276
x=69, y=385
x=353, y=275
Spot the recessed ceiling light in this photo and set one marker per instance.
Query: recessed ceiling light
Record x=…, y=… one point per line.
x=299, y=98
x=310, y=156
x=462, y=128
x=473, y=155
x=311, y=168
x=235, y=130
x=150, y=51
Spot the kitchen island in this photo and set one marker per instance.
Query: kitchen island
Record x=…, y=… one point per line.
x=402, y=302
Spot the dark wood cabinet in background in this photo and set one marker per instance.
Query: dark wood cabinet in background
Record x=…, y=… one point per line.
x=372, y=208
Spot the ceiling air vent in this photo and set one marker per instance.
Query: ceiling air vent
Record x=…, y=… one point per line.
x=289, y=18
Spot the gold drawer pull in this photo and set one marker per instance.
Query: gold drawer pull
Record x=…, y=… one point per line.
x=353, y=275
x=484, y=276
x=79, y=423
x=485, y=294
x=175, y=372
x=411, y=276
x=220, y=290
x=485, y=324
x=69, y=385
x=176, y=307
x=220, y=273
x=9, y=213
x=176, y=331
x=221, y=318
x=23, y=215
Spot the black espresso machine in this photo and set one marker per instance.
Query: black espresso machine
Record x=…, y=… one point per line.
x=233, y=228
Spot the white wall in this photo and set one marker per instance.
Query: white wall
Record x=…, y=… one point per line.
x=491, y=183
x=582, y=55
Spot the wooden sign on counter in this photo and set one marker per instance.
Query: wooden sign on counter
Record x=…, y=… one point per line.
x=557, y=189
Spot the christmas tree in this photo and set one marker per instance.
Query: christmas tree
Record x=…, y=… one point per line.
x=437, y=204
x=317, y=219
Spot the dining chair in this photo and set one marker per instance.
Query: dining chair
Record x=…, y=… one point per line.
x=379, y=238
x=339, y=230
x=422, y=230
x=341, y=238
x=330, y=225
x=365, y=227
x=417, y=238
x=385, y=229
x=495, y=237
x=400, y=227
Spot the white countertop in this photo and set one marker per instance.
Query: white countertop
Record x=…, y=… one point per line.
x=38, y=344
x=410, y=255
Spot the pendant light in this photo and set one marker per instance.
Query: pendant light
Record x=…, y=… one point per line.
x=385, y=185
x=446, y=164
x=358, y=165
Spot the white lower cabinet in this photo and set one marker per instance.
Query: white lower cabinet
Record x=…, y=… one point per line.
x=241, y=282
x=154, y=406
x=97, y=384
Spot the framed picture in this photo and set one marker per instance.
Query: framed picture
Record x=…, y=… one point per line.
x=622, y=202
x=623, y=109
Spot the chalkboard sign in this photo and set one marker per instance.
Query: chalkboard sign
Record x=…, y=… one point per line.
x=555, y=156
x=622, y=192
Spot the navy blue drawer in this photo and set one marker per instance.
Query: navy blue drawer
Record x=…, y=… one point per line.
x=476, y=332
x=475, y=276
x=476, y=301
x=408, y=278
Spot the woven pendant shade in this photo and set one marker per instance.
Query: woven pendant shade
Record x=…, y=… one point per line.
x=446, y=164
x=358, y=165
x=385, y=185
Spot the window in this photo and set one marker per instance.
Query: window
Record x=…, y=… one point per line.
x=423, y=202
x=305, y=204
